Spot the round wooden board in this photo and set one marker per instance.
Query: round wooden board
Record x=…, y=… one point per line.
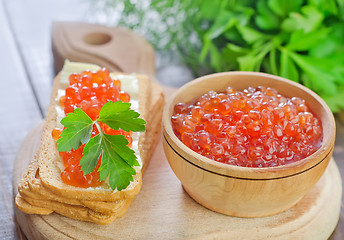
x=163, y=210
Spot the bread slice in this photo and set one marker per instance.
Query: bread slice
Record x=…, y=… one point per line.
x=31, y=187
x=48, y=157
x=153, y=127
x=42, y=191
x=26, y=207
x=40, y=206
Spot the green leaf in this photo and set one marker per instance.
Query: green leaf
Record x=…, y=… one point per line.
x=252, y=61
x=118, y=143
x=117, y=161
x=241, y=17
x=328, y=7
x=232, y=52
x=266, y=19
x=288, y=68
x=205, y=48
x=91, y=155
x=322, y=81
x=120, y=175
x=273, y=61
x=282, y=18
x=337, y=31
x=310, y=19
x=78, y=128
x=118, y=115
x=215, y=57
x=332, y=44
x=234, y=36
x=247, y=62
x=305, y=80
x=301, y=41
x=210, y=9
x=283, y=7
x=324, y=48
x=335, y=102
x=237, y=49
x=341, y=8
x=251, y=35
x=224, y=21
x=338, y=67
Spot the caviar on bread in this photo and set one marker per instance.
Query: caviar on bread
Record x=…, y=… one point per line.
x=55, y=182
x=95, y=94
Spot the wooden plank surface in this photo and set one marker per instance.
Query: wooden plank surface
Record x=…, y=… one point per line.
x=26, y=54
x=19, y=112
x=31, y=23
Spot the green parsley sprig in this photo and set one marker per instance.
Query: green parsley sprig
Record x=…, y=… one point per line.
x=118, y=160
x=302, y=40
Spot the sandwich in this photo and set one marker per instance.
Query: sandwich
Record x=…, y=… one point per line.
x=90, y=161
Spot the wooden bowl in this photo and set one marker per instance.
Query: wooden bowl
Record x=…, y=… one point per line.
x=244, y=191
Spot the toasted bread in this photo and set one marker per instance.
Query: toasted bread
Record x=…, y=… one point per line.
x=31, y=187
x=26, y=207
x=42, y=191
x=48, y=158
x=40, y=206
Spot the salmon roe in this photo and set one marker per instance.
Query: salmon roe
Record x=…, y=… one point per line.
x=256, y=127
x=89, y=91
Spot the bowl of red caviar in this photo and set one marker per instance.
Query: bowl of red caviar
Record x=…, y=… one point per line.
x=247, y=144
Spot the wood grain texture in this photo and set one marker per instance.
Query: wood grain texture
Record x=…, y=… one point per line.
x=15, y=93
x=115, y=48
x=31, y=25
x=163, y=210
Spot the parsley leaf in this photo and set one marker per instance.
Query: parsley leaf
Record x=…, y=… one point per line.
x=309, y=20
x=283, y=7
x=266, y=19
x=118, y=144
x=118, y=115
x=212, y=36
x=288, y=68
x=317, y=70
x=78, y=130
x=118, y=160
x=91, y=152
x=335, y=102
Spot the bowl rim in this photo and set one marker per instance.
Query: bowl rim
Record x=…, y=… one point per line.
x=228, y=170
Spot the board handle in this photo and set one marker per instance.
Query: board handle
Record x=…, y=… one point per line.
x=116, y=48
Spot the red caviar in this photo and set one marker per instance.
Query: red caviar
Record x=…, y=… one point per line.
x=88, y=91
x=256, y=127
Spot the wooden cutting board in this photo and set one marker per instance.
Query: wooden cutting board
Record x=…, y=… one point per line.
x=163, y=210
x=116, y=48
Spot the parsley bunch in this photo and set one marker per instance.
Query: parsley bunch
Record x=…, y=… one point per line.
x=302, y=40
x=118, y=160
